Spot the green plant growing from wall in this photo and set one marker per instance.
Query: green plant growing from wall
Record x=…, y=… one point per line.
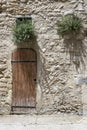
x=69, y=24
x=23, y=31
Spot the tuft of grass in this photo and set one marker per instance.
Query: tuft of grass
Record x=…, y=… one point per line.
x=23, y=31
x=69, y=24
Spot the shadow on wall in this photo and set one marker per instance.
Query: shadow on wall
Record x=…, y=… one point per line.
x=76, y=48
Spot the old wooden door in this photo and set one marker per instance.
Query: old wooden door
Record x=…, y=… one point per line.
x=24, y=80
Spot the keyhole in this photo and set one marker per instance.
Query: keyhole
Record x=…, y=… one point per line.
x=35, y=80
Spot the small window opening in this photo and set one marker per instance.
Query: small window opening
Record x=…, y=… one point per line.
x=22, y=19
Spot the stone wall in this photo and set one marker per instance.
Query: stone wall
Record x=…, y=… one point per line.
x=59, y=68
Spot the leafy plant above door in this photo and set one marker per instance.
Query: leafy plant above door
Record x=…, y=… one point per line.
x=23, y=31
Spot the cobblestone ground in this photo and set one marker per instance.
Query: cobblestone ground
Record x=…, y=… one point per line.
x=54, y=122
